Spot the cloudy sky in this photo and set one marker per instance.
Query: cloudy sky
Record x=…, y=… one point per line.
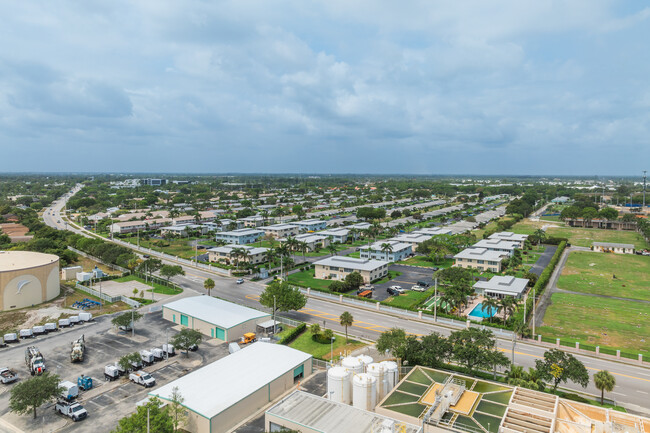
x=340, y=86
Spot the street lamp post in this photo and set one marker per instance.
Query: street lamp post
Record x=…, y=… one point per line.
x=332, y=351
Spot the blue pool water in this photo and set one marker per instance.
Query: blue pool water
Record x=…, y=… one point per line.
x=481, y=312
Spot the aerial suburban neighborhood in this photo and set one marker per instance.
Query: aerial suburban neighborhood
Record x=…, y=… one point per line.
x=324, y=217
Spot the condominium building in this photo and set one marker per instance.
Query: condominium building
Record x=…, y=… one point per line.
x=396, y=252
x=414, y=239
x=312, y=225
x=433, y=231
x=480, y=258
x=502, y=287
x=228, y=254
x=498, y=245
x=281, y=230
x=338, y=267
x=510, y=236
x=240, y=236
x=338, y=235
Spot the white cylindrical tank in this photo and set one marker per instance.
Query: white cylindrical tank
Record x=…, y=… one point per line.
x=339, y=386
x=352, y=364
x=391, y=373
x=364, y=391
x=377, y=371
x=365, y=360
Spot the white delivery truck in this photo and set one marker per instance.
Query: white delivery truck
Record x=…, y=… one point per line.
x=142, y=378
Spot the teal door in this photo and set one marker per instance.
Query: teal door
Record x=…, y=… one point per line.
x=299, y=372
x=212, y=333
x=220, y=333
x=183, y=320
x=174, y=318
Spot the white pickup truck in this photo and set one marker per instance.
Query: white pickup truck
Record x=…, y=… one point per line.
x=7, y=375
x=142, y=378
x=70, y=409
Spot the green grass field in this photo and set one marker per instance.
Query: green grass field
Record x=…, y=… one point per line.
x=319, y=350
x=617, y=324
x=408, y=299
x=176, y=247
x=306, y=279
x=588, y=272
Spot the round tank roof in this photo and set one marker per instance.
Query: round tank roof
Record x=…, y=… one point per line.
x=351, y=362
x=338, y=372
x=364, y=379
x=19, y=260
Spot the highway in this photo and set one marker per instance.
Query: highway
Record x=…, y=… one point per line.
x=633, y=381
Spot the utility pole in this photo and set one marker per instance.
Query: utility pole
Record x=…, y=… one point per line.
x=534, y=305
x=513, y=347
x=132, y=324
x=435, y=300
x=274, y=327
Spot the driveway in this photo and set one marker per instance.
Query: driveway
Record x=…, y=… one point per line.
x=543, y=260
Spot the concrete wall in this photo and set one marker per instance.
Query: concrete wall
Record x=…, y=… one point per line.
x=31, y=286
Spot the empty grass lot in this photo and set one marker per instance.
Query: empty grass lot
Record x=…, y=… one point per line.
x=322, y=351
x=588, y=272
x=158, y=288
x=408, y=299
x=306, y=279
x=617, y=324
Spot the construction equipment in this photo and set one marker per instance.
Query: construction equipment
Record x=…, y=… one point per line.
x=78, y=349
x=85, y=382
x=249, y=337
x=34, y=360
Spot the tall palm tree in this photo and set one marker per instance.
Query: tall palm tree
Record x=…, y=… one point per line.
x=208, y=285
x=508, y=306
x=332, y=249
x=265, y=215
x=386, y=248
x=492, y=305
x=303, y=247
x=270, y=255
x=291, y=243
x=346, y=320
x=236, y=253
x=604, y=381
x=376, y=229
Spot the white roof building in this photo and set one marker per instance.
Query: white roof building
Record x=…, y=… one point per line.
x=225, y=392
x=433, y=231
x=501, y=287
x=352, y=263
x=509, y=236
x=497, y=245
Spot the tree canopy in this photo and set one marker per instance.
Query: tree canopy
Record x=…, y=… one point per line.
x=28, y=395
x=159, y=419
x=559, y=367
x=185, y=339
x=286, y=297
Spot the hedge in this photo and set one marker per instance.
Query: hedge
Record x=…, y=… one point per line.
x=293, y=334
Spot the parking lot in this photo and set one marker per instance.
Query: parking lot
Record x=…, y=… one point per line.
x=410, y=276
x=107, y=402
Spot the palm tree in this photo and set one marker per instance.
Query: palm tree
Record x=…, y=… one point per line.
x=270, y=255
x=244, y=254
x=303, y=247
x=508, y=306
x=265, y=215
x=386, y=248
x=291, y=243
x=208, y=285
x=492, y=305
x=346, y=320
x=604, y=381
x=376, y=229
x=332, y=249
x=540, y=235
x=451, y=300
x=236, y=253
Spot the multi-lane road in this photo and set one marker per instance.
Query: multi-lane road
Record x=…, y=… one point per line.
x=633, y=381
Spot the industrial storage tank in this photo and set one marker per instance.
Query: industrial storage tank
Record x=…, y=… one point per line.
x=391, y=373
x=377, y=371
x=339, y=385
x=364, y=391
x=352, y=364
x=365, y=360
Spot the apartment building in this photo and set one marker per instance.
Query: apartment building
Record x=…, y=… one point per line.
x=498, y=245
x=240, y=236
x=338, y=235
x=502, y=287
x=312, y=225
x=141, y=225
x=414, y=239
x=254, y=221
x=314, y=241
x=433, y=231
x=281, y=230
x=338, y=267
x=397, y=251
x=225, y=254
x=511, y=237
x=480, y=258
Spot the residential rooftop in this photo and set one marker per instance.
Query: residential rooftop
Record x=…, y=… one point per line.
x=352, y=263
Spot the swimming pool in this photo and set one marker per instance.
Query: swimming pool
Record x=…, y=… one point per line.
x=481, y=312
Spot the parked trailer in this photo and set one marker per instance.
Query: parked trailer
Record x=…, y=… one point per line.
x=39, y=330
x=169, y=350
x=11, y=337
x=50, y=327
x=69, y=390
x=158, y=354
x=26, y=333
x=147, y=357
x=2, y=342
x=111, y=373
x=64, y=323
x=74, y=320
x=85, y=317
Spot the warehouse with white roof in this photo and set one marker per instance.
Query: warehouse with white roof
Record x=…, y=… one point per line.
x=225, y=392
x=214, y=317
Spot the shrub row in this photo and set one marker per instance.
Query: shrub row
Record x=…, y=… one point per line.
x=293, y=334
